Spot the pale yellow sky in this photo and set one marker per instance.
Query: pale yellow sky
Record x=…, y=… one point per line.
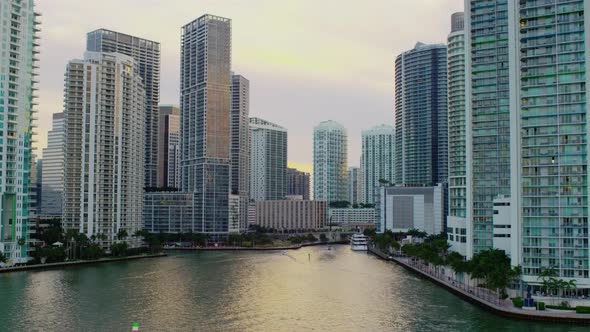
x=307, y=60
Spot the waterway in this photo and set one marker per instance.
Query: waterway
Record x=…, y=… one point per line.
x=310, y=289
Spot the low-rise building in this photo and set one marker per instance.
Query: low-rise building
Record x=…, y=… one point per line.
x=291, y=215
x=352, y=218
x=402, y=208
x=168, y=212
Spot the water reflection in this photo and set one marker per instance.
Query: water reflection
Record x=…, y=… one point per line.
x=329, y=290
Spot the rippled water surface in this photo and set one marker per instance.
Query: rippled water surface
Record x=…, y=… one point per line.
x=328, y=290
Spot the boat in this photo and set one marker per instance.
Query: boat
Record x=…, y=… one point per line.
x=358, y=242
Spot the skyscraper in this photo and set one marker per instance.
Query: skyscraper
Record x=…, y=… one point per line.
x=354, y=185
x=17, y=114
x=104, y=121
x=268, y=160
x=330, y=162
x=53, y=168
x=487, y=98
x=146, y=54
x=169, y=146
x=421, y=115
x=298, y=183
x=377, y=160
x=554, y=88
x=456, y=220
x=205, y=104
x=240, y=145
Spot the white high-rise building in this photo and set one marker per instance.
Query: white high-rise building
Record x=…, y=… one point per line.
x=330, y=162
x=457, y=199
x=268, y=161
x=53, y=168
x=240, y=145
x=19, y=44
x=104, y=111
x=377, y=160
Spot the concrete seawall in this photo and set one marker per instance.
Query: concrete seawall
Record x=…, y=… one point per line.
x=76, y=263
x=293, y=247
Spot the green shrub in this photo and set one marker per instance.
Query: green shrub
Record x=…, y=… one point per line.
x=540, y=305
x=518, y=302
x=558, y=307
x=582, y=310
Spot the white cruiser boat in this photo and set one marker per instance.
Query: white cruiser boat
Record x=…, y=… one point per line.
x=358, y=242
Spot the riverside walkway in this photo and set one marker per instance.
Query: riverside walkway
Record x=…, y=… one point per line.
x=483, y=297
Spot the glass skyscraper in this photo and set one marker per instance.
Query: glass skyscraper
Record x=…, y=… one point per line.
x=240, y=145
x=205, y=104
x=554, y=43
x=169, y=146
x=17, y=114
x=421, y=115
x=377, y=159
x=354, y=185
x=146, y=54
x=330, y=162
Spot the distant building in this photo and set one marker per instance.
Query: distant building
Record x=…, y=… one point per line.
x=421, y=156
x=169, y=147
x=52, y=177
x=352, y=218
x=354, y=185
x=298, y=183
x=402, y=208
x=377, y=160
x=168, y=212
x=330, y=162
x=288, y=215
x=104, y=178
x=240, y=144
x=268, y=160
x=146, y=55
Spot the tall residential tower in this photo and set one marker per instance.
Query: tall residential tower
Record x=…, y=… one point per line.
x=53, y=168
x=330, y=162
x=268, y=160
x=205, y=105
x=377, y=159
x=17, y=114
x=146, y=54
x=169, y=147
x=240, y=145
x=421, y=115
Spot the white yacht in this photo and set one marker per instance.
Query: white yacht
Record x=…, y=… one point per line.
x=358, y=242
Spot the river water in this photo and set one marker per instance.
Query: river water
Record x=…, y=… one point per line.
x=310, y=289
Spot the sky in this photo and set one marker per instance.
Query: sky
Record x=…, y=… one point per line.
x=307, y=60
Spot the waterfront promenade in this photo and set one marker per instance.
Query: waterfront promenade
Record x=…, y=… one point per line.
x=481, y=296
x=75, y=263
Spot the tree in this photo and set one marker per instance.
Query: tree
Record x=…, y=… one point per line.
x=92, y=252
x=369, y=232
x=119, y=248
x=122, y=234
x=494, y=267
x=3, y=258
x=323, y=237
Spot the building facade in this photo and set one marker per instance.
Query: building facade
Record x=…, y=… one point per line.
x=146, y=54
x=291, y=215
x=330, y=162
x=205, y=104
x=104, y=121
x=457, y=195
x=168, y=171
x=53, y=168
x=17, y=114
x=268, y=160
x=402, y=208
x=240, y=144
x=421, y=156
x=298, y=183
x=354, y=185
x=352, y=217
x=168, y=212
x=377, y=159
